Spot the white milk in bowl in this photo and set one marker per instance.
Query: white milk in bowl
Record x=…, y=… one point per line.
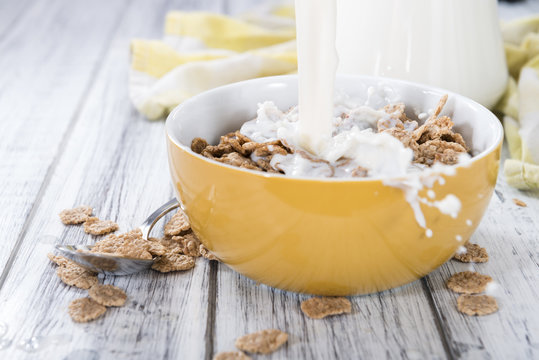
x=453, y=44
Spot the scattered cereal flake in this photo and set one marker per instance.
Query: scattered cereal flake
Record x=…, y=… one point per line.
x=474, y=253
x=85, y=309
x=198, y=145
x=155, y=247
x=468, y=282
x=107, y=295
x=130, y=244
x=320, y=307
x=205, y=253
x=94, y=226
x=477, y=304
x=189, y=244
x=262, y=342
x=76, y=215
x=58, y=259
x=231, y=355
x=177, y=224
x=171, y=245
x=75, y=275
x=520, y=203
x=174, y=262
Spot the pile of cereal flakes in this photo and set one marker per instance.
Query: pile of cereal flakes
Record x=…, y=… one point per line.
x=470, y=283
x=434, y=141
x=177, y=251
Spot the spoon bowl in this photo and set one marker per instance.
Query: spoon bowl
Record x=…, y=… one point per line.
x=112, y=264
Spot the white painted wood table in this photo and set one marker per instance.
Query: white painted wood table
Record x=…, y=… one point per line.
x=70, y=136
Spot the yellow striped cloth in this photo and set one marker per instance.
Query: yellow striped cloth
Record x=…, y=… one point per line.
x=203, y=50
x=520, y=104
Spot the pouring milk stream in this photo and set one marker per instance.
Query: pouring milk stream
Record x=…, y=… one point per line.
x=316, y=23
x=317, y=64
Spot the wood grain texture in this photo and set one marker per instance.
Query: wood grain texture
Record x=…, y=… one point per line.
x=394, y=324
x=116, y=161
x=70, y=136
x=52, y=57
x=511, y=236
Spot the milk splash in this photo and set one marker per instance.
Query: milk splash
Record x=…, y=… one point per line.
x=317, y=66
x=416, y=182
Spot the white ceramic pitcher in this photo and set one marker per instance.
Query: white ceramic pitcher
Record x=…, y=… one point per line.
x=453, y=44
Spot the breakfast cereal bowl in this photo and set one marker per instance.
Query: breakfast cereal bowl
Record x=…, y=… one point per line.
x=328, y=236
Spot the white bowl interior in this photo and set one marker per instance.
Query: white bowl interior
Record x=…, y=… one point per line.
x=221, y=110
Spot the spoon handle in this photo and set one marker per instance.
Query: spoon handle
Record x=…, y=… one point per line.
x=149, y=223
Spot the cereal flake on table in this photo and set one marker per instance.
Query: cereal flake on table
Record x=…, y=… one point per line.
x=477, y=305
x=107, y=295
x=468, y=282
x=474, y=253
x=95, y=226
x=75, y=216
x=58, y=259
x=85, y=309
x=320, y=307
x=155, y=247
x=189, y=244
x=205, y=253
x=177, y=224
x=262, y=342
x=231, y=355
x=171, y=245
x=520, y=203
x=174, y=262
x=73, y=274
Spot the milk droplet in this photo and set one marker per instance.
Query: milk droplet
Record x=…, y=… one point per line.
x=30, y=345
x=493, y=288
x=431, y=194
x=5, y=343
x=461, y=250
x=3, y=329
x=428, y=233
x=458, y=237
x=36, y=343
x=469, y=222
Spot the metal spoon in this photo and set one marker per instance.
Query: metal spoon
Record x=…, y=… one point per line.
x=116, y=265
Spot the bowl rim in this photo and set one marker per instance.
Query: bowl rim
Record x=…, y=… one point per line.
x=441, y=169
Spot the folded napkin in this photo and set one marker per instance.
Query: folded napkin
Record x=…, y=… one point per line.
x=520, y=104
x=202, y=50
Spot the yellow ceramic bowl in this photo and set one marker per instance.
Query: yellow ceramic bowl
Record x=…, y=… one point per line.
x=325, y=236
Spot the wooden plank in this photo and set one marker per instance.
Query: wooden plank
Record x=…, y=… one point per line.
x=116, y=161
x=509, y=233
x=51, y=54
x=11, y=12
x=393, y=324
